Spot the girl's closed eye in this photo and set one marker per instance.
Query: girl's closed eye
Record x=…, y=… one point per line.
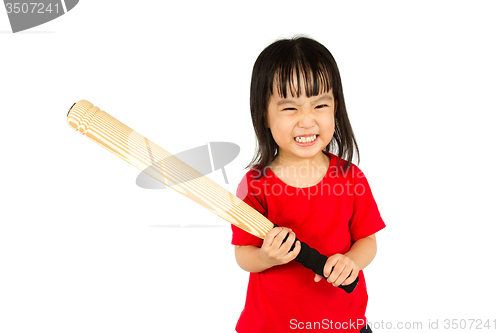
x=317, y=107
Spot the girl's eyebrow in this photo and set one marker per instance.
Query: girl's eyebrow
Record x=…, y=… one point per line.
x=291, y=101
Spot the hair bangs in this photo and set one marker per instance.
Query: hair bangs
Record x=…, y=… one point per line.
x=300, y=76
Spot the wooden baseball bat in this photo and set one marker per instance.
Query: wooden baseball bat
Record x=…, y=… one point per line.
x=150, y=158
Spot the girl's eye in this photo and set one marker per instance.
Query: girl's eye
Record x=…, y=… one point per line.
x=321, y=106
x=288, y=109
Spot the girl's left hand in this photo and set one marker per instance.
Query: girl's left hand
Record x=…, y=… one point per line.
x=345, y=271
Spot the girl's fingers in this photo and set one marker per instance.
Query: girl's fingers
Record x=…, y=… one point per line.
x=278, y=240
x=350, y=279
x=330, y=264
x=287, y=245
x=268, y=240
x=337, y=271
x=342, y=277
x=291, y=255
x=275, y=237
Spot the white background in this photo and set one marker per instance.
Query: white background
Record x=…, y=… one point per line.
x=79, y=250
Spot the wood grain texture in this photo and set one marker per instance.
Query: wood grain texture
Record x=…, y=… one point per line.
x=150, y=158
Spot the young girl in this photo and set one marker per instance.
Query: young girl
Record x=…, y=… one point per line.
x=299, y=115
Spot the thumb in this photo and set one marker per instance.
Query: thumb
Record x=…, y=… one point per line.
x=317, y=278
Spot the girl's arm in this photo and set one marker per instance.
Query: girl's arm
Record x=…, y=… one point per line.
x=273, y=251
x=363, y=251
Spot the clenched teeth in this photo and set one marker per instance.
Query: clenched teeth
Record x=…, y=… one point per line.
x=303, y=139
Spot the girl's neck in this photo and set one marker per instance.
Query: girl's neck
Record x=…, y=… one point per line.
x=317, y=160
x=301, y=168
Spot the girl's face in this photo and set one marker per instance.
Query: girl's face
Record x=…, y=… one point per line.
x=292, y=117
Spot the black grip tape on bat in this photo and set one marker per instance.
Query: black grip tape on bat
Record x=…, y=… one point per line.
x=315, y=261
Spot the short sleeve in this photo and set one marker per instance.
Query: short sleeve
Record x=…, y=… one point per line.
x=249, y=192
x=366, y=219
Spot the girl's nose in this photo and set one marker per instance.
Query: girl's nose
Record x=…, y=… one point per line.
x=306, y=120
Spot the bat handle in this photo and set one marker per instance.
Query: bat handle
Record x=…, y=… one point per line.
x=316, y=261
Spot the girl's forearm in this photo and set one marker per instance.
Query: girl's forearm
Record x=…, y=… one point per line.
x=249, y=258
x=363, y=251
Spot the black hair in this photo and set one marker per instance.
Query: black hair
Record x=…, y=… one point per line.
x=281, y=62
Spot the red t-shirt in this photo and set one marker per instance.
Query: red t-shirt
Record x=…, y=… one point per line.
x=329, y=217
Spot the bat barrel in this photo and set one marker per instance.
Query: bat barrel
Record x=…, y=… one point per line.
x=158, y=163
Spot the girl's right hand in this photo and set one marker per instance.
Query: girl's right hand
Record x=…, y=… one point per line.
x=274, y=252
